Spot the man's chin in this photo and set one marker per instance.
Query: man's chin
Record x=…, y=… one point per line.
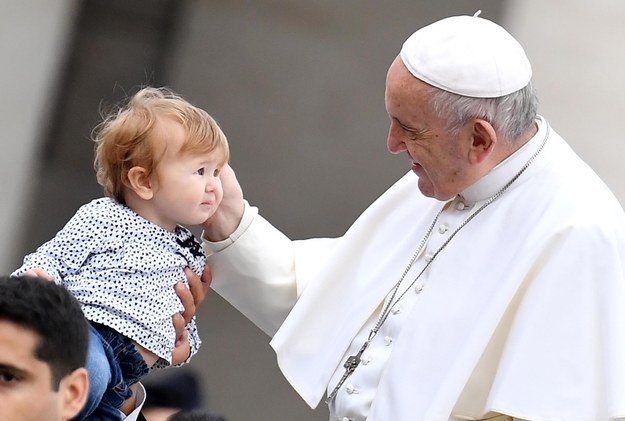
x=428, y=190
x=425, y=188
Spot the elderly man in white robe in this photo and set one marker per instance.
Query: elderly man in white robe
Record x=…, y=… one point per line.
x=486, y=283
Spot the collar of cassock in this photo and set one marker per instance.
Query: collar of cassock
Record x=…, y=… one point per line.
x=488, y=185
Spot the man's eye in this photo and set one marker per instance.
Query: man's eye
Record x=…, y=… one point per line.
x=200, y=171
x=7, y=378
x=417, y=134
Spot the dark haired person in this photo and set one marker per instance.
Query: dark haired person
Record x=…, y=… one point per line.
x=43, y=347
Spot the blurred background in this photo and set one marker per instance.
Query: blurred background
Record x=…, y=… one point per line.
x=297, y=87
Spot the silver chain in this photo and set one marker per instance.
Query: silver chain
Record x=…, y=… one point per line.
x=354, y=360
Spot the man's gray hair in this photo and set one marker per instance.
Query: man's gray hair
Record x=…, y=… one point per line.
x=511, y=115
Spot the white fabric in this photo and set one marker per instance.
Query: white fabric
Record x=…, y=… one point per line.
x=122, y=269
x=246, y=220
x=523, y=314
x=469, y=56
x=355, y=398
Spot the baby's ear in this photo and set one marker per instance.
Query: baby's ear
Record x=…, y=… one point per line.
x=140, y=182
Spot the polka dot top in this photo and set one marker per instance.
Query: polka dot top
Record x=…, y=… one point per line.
x=122, y=269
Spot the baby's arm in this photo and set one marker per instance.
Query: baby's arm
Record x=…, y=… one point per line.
x=64, y=253
x=41, y=264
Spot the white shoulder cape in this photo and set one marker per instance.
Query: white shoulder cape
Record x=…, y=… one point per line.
x=524, y=315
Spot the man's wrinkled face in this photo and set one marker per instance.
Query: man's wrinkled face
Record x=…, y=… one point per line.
x=436, y=156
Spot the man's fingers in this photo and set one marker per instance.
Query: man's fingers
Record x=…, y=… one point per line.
x=200, y=286
x=192, y=297
x=186, y=298
x=39, y=273
x=179, y=324
x=182, y=349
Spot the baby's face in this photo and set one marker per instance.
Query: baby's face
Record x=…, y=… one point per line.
x=186, y=187
x=188, y=190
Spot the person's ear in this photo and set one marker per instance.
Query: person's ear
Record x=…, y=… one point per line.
x=73, y=393
x=483, y=140
x=140, y=182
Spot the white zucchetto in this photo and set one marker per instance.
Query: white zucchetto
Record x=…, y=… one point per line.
x=469, y=56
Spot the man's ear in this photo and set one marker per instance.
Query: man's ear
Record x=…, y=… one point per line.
x=73, y=393
x=140, y=182
x=484, y=139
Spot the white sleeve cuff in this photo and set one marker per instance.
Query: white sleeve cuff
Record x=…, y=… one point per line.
x=212, y=247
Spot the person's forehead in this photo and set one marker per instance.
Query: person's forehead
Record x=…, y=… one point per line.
x=17, y=348
x=406, y=96
x=167, y=136
x=27, y=389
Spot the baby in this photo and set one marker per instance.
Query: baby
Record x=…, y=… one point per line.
x=159, y=159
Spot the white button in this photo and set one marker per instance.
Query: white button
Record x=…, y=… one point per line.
x=388, y=340
x=351, y=389
x=461, y=206
x=428, y=257
x=418, y=288
x=365, y=360
x=442, y=228
x=396, y=310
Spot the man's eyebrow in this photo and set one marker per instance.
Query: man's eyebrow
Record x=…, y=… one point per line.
x=410, y=128
x=13, y=369
x=413, y=130
x=418, y=132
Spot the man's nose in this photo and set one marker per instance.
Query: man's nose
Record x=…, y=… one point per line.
x=394, y=142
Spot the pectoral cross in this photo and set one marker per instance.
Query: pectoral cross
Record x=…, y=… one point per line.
x=350, y=365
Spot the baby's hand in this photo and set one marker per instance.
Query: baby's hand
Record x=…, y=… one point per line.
x=39, y=273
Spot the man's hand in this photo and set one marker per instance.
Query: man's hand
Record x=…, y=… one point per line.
x=182, y=349
x=228, y=215
x=193, y=296
x=39, y=273
x=191, y=299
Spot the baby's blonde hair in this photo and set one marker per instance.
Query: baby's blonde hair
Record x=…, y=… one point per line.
x=128, y=137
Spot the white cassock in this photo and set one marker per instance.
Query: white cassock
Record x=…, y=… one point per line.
x=522, y=313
